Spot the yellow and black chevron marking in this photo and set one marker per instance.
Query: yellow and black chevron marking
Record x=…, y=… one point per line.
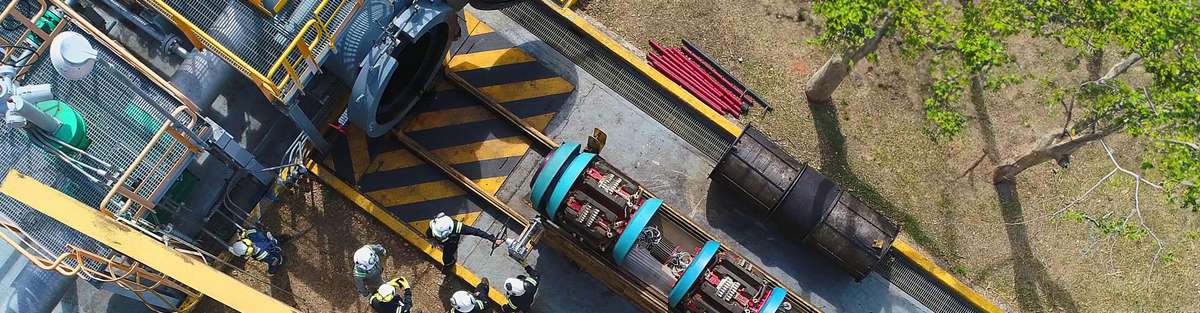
x=457, y=129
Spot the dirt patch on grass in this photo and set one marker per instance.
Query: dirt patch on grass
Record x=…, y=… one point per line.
x=871, y=140
x=326, y=229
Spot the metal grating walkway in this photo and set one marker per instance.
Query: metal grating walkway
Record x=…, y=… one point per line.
x=120, y=123
x=903, y=274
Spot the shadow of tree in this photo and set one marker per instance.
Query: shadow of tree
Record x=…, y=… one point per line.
x=832, y=144
x=1030, y=279
x=984, y=119
x=1029, y=274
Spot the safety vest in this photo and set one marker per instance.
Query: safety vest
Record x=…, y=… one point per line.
x=252, y=251
x=395, y=284
x=530, y=290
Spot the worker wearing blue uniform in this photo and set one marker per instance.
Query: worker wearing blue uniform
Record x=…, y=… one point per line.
x=259, y=245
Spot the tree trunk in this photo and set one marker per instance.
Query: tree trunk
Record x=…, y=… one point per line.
x=826, y=80
x=1051, y=146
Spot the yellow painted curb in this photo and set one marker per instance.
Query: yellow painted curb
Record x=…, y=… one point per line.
x=935, y=271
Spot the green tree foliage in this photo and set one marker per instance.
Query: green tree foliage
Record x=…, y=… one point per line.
x=967, y=45
x=850, y=23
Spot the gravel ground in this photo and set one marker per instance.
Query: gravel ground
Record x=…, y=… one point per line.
x=326, y=229
x=871, y=140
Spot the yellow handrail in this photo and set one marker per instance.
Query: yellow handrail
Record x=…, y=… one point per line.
x=132, y=195
x=11, y=53
x=184, y=269
x=278, y=89
x=211, y=43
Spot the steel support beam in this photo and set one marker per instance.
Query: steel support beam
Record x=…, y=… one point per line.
x=130, y=242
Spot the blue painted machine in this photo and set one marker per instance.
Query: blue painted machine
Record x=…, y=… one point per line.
x=605, y=210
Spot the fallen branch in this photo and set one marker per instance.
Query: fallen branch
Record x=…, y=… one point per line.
x=1113, y=158
x=1070, y=204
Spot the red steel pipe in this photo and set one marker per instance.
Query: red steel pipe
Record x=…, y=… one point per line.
x=691, y=70
x=690, y=84
x=661, y=66
x=697, y=82
x=696, y=85
x=673, y=76
x=742, y=94
x=730, y=99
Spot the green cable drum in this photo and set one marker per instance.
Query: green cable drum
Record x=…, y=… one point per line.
x=72, y=129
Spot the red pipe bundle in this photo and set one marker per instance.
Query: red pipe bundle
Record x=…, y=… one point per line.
x=699, y=78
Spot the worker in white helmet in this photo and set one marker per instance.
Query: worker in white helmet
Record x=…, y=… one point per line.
x=467, y=302
x=520, y=291
x=259, y=245
x=367, y=271
x=448, y=232
x=394, y=296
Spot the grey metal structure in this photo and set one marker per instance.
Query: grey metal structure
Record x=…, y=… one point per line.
x=123, y=110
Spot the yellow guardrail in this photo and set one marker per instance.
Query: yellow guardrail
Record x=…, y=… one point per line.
x=299, y=58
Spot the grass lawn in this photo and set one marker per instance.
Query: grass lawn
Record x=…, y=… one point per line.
x=871, y=140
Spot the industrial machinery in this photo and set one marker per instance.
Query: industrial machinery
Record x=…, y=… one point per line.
x=82, y=117
x=813, y=208
x=612, y=215
x=386, y=51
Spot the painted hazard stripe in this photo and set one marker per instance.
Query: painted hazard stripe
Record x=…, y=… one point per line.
x=474, y=26
x=487, y=59
x=527, y=89
x=428, y=191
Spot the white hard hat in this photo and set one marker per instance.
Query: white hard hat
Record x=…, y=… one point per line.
x=387, y=291
x=365, y=258
x=463, y=301
x=441, y=225
x=72, y=55
x=238, y=248
x=514, y=287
